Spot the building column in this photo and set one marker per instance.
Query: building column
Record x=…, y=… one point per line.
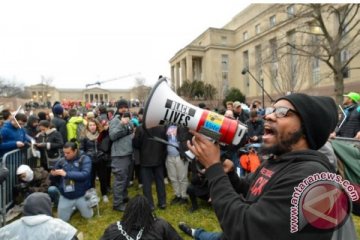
x=173, y=80
x=183, y=70
x=189, y=68
x=177, y=77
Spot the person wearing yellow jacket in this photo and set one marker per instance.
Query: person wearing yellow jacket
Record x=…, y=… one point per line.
x=72, y=125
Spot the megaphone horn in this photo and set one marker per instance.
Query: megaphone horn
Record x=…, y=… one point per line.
x=165, y=107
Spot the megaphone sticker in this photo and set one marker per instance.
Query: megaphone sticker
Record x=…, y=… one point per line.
x=177, y=113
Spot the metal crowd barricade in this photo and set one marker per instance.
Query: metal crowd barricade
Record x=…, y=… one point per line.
x=12, y=160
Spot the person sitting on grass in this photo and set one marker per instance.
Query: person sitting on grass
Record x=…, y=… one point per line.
x=139, y=222
x=37, y=222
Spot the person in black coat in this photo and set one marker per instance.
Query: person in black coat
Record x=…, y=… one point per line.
x=59, y=122
x=152, y=159
x=138, y=222
x=49, y=141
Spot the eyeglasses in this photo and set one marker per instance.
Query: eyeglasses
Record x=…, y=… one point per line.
x=280, y=112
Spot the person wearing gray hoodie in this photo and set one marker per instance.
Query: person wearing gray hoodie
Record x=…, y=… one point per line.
x=37, y=222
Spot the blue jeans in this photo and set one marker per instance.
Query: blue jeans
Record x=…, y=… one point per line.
x=54, y=195
x=67, y=206
x=201, y=234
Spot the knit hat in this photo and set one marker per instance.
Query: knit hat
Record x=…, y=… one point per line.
x=58, y=109
x=318, y=116
x=122, y=103
x=42, y=115
x=37, y=203
x=26, y=170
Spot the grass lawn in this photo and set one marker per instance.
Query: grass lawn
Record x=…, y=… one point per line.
x=94, y=227
x=205, y=217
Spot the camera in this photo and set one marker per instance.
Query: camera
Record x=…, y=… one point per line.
x=126, y=115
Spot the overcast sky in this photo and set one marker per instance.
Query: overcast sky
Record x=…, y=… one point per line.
x=77, y=42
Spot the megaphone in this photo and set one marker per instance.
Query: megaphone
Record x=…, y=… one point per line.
x=165, y=107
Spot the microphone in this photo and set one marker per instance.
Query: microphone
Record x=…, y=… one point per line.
x=244, y=71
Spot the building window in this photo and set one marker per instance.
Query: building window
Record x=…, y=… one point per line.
x=224, y=73
x=223, y=40
x=316, y=70
x=246, y=76
x=224, y=63
x=274, y=61
x=272, y=21
x=245, y=36
x=290, y=11
x=292, y=58
x=257, y=29
x=258, y=62
x=273, y=49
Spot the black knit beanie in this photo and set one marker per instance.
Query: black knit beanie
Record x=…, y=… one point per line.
x=37, y=203
x=122, y=103
x=318, y=116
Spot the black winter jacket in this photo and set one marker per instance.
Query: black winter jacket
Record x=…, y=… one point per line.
x=152, y=153
x=60, y=125
x=351, y=124
x=54, y=143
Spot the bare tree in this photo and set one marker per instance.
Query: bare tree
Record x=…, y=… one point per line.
x=141, y=90
x=46, y=83
x=333, y=38
x=286, y=69
x=10, y=88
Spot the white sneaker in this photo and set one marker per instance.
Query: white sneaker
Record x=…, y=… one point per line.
x=105, y=199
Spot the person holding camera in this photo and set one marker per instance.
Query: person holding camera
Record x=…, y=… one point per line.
x=71, y=176
x=121, y=133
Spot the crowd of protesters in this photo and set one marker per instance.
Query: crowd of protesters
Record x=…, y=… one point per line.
x=76, y=148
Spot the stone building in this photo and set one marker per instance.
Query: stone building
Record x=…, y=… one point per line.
x=245, y=54
x=42, y=93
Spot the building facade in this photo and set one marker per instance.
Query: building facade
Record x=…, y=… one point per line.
x=42, y=93
x=251, y=53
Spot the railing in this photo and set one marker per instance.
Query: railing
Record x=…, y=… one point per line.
x=11, y=160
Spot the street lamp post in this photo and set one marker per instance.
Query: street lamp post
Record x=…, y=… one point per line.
x=263, y=91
